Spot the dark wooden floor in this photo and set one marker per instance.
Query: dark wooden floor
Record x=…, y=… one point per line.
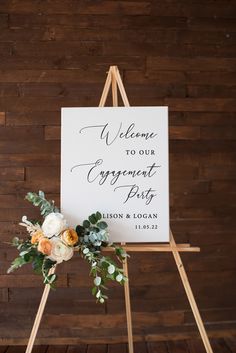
x=220, y=345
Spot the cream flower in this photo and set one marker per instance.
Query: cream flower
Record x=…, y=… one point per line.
x=54, y=224
x=60, y=251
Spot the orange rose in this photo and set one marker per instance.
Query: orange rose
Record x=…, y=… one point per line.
x=36, y=236
x=45, y=246
x=70, y=237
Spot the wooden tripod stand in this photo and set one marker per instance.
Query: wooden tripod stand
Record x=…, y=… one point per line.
x=114, y=81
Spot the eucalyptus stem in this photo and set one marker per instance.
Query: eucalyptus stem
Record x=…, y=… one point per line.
x=44, y=247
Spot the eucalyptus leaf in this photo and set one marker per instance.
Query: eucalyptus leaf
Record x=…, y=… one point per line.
x=46, y=207
x=52, y=278
x=86, y=224
x=27, y=257
x=80, y=230
x=41, y=194
x=94, y=290
x=102, y=225
x=22, y=253
x=98, y=216
x=92, y=219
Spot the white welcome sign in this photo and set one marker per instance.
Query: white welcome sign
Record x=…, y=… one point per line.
x=115, y=161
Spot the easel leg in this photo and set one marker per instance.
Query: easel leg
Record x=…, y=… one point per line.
x=38, y=317
x=128, y=309
x=190, y=296
x=105, y=90
x=114, y=88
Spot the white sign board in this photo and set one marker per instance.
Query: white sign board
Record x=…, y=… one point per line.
x=115, y=161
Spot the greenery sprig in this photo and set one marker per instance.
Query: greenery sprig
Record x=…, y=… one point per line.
x=46, y=207
x=94, y=237
x=54, y=242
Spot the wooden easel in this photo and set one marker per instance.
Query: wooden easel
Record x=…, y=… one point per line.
x=114, y=80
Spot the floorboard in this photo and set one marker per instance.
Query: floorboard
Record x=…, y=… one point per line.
x=231, y=344
x=219, y=345
x=77, y=349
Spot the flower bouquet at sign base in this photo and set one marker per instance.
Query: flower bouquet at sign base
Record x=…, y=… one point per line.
x=51, y=241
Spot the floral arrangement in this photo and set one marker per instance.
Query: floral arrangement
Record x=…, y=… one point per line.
x=51, y=242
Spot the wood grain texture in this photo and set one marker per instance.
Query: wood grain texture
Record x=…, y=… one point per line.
x=221, y=345
x=176, y=53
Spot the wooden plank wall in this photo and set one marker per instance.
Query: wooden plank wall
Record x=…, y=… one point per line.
x=178, y=53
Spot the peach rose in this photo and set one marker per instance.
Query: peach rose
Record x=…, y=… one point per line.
x=70, y=237
x=45, y=246
x=36, y=236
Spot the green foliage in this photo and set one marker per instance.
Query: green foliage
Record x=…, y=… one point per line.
x=98, y=216
x=120, y=252
x=28, y=253
x=102, y=225
x=17, y=263
x=80, y=231
x=39, y=200
x=86, y=224
x=37, y=263
x=92, y=219
x=93, y=237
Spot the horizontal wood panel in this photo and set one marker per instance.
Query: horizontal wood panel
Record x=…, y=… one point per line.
x=59, y=33
x=189, y=77
x=107, y=7
x=190, y=64
x=153, y=339
x=13, y=173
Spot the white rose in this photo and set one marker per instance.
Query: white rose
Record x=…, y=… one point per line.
x=60, y=251
x=53, y=224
